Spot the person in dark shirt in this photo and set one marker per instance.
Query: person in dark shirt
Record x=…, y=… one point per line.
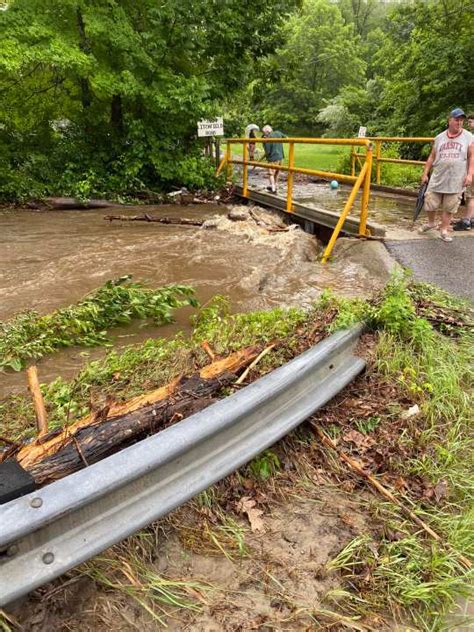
x=273, y=154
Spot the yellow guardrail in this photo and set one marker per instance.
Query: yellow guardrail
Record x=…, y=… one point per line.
x=362, y=180
x=379, y=159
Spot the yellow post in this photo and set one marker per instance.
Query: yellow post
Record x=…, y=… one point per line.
x=228, y=158
x=353, y=161
x=378, y=147
x=245, y=180
x=345, y=212
x=291, y=164
x=364, y=205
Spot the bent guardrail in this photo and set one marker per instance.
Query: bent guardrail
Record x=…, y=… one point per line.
x=49, y=531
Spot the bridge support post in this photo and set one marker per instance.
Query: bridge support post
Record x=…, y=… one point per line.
x=291, y=164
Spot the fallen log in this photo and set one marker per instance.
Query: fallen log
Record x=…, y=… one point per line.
x=66, y=203
x=153, y=218
x=43, y=448
x=95, y=442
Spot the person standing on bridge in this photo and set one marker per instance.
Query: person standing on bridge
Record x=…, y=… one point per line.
x=274, y=154
x=452, y=164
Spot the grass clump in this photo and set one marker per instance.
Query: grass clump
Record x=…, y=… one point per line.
x=30, y=336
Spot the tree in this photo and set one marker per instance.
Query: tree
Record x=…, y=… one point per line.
x=128, y=79
x=319, y=57
x=426, y=66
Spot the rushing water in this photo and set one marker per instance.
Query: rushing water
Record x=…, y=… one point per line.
x=52, y=259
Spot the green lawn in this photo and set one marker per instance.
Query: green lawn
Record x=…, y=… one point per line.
x=319, y=157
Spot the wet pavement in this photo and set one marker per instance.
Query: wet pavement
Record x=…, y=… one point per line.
x=447, y=265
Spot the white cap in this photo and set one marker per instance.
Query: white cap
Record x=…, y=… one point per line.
x=267, y=129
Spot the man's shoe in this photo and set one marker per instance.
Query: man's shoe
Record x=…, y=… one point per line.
x=462, y=224
x=270, y=190
x=445, y=237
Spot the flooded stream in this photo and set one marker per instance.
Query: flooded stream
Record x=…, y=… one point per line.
x=52, y=259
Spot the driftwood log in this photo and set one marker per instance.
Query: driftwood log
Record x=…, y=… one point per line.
x=65, y=203
x=118, y=425
x=92, y=443
x=179, y=221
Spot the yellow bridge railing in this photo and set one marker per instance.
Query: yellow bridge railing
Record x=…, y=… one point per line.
x=379, y=159
x=362, y=180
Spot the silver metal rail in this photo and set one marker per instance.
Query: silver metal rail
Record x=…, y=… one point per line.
x=48, y=532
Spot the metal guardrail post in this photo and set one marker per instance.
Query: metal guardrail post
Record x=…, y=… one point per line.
x=345, y=212
x=364, y=205
x=291, y=164
x=378, y=147
x=228, y=157
x=245, y=179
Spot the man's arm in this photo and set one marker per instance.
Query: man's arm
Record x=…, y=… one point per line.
x=428, y=165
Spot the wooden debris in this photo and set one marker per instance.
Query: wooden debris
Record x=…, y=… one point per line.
x=178, y=221
x=94, y=442
x=123, y=416
x=38, y=401
x=205, y=345
x=254, y=364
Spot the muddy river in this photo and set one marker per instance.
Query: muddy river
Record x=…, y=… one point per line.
x=51, y=259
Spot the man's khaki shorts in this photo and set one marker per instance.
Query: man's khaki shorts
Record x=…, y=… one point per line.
x=448, y=202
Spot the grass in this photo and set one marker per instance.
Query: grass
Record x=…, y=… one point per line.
x=318, y=157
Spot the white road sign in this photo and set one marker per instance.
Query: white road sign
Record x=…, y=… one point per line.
x=211, y=128
x=362, y=132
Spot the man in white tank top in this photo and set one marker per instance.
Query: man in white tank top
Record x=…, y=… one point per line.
x=452, y=163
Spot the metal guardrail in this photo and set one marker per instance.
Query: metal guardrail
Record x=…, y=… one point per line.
x=47, y=532
x=379, y=140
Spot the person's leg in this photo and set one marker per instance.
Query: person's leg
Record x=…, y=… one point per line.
x=450, y=204
x=464, y=223
x=272, y=178
x=431, y=205
x=277, y=174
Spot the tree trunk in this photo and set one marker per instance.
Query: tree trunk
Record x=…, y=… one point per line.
x=116, y=116
x=85, y=48
x=92, y=443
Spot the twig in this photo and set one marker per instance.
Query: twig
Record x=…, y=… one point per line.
x=357, y=467
x=205, y=345
x=38, y=401
x=79, y=450
x=254, y=364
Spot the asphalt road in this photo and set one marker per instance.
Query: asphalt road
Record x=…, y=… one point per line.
x=447, y=265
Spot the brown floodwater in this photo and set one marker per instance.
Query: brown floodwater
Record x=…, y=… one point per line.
x=52, y=259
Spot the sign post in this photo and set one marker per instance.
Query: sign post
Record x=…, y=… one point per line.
x=212, y=129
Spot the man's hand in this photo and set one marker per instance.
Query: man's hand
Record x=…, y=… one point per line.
x=424, y=178
x=468, y=180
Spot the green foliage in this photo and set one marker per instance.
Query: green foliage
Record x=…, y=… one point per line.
x=102, y=98
x=426, y=53
x=227, y=332
x=30, y=336
x=319, y=56
x=265, y=465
